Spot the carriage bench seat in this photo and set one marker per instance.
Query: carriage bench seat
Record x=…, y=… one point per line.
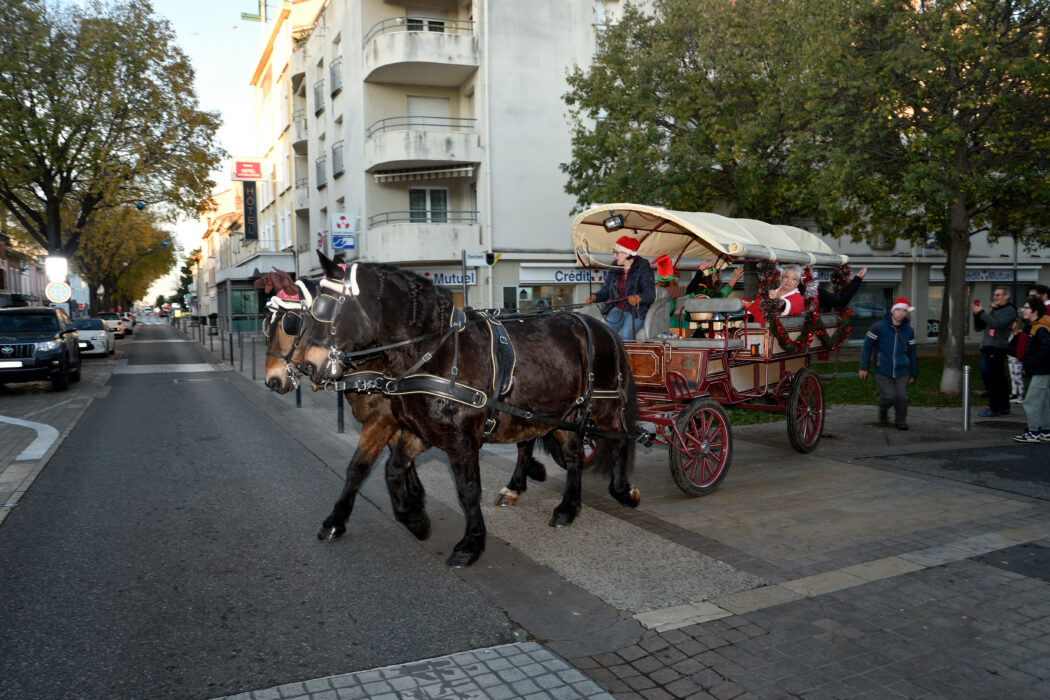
x=728, y=305
x=708, y=343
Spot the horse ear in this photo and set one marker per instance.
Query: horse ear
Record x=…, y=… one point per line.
x=330, y=268
x=285, y=282
x=265, y=282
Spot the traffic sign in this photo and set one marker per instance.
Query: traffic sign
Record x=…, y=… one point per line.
x=344, y=242
x=475, y=259
x=58, y=292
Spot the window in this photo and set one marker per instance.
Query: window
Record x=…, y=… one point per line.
x=419, y=18
x=337, y=159
x=319, y=172
x=319, y=96
x=428, y=205
x=335, y=74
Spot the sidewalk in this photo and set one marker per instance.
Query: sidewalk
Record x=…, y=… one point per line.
x=836, y=574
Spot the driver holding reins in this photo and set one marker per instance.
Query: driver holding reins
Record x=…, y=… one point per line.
x=629, y=289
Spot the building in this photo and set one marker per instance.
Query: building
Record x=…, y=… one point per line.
x=416, y=134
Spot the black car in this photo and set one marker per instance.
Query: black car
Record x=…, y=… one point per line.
x=38, y=344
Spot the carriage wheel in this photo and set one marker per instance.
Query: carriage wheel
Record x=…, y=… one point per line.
x=703, y=427
x=805, y=410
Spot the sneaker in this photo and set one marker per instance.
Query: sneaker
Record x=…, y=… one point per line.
x=988, y=413
x=1004, y=412
x=1028, y=437
x=1044, y=436
x=902, y=426
x=1016, y=398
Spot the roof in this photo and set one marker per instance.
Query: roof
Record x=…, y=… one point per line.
x=695, y=235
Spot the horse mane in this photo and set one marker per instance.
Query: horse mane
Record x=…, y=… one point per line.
x=427, y=307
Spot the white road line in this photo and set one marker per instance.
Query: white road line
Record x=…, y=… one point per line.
x=45, y=437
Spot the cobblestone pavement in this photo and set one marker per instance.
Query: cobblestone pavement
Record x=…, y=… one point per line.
x=862, y=580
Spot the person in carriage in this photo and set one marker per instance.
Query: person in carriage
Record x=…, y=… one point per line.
x=788, y=292
x=704, y=284
x=629, y=289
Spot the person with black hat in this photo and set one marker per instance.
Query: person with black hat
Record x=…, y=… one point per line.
x=629, y=289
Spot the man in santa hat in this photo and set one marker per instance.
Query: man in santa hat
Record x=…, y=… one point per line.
x=629, y=289
x=896, y=361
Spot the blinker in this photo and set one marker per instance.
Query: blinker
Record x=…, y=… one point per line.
x=290, y=323
x=325, y=308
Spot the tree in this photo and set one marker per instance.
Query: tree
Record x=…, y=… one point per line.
x=696, y=107
x=124, y=252
x=97, y=111
x=186, y=273
x=937, y=126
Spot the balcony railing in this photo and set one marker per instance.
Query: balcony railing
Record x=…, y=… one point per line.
x=319, y=96
x=319, y=172
x=421, y=123
x=423, y=216
x=300, y=124
x=302, y=193
x=337, y=159
x=335, y=74
x=417, y=24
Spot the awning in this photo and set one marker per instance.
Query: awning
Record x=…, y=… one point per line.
x=423, y=174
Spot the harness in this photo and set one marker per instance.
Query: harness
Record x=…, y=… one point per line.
x=326, y=309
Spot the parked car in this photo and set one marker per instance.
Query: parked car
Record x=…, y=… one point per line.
x=114, y=321
x=38, y=344
x=867, y=309
x=95, y=337
x=129, y=323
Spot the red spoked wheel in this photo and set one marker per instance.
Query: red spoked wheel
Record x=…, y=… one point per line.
x=805, y=410
x=702, y=447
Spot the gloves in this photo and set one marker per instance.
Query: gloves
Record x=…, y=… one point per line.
x=634, y=300
x=589, y=300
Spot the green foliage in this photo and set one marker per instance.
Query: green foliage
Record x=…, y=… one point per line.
x=186, y=273
x=97, y=111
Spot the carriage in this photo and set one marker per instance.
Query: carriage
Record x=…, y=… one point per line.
x=685, y=384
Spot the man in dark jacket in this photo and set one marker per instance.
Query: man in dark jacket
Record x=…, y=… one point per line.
x=1037, y=366
x=996, y=323
x=896, y=361
x=830, y=301
x=629, y=289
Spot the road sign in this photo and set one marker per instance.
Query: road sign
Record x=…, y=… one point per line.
x=476, y=259
x=346, y=242
x=247, y=168
x=57, y=292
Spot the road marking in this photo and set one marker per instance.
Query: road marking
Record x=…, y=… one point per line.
x=45, y=437
x=161, y=369
x=177, y=340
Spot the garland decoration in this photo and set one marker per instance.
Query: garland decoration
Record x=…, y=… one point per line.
x=812, y=327
x=840, y=277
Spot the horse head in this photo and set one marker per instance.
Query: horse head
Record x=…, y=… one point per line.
x=282, y=326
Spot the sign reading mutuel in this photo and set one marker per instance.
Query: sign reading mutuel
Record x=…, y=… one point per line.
x=251, y=212
x=247, y=168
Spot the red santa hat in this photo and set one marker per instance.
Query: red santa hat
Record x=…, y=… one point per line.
x=902, y=303
x=626, y=244
x=665, y=269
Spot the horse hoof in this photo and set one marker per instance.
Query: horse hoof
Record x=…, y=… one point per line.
x=330, y=534
x=459, y=559
x=506, y=497
x=420, y=529
x=561, y=519
x=635, y=497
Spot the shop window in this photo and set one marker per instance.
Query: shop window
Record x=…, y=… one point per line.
x=871, y=303
x=537, y=298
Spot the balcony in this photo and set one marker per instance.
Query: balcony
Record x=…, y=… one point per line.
x=320, y=172
x=302, y=195
x=420, y=51
x=335, y=75
x=337, y=159
x=300, y=130
x=413, y=142
x=421, y=236
x=319, y=97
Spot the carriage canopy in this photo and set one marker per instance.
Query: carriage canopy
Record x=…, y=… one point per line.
x=685, y=235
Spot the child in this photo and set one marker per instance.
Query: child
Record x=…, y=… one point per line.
x=1015, y=365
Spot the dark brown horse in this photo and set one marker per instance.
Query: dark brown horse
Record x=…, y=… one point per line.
x=449, y=383
x=379, y=428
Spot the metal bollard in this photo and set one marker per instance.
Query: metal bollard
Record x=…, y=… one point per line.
x=253, y=359
x=240, y=342
x=966, y=397
x=298, y=397
x=211, y=341
x=231, y=348
x=339, y=410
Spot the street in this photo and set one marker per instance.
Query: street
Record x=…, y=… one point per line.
x=168, y=549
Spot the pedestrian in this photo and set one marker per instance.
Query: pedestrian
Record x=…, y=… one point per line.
x=996, y=323
x=628, y=289
x=829, y=300
x=1037, y=366
x=896, y=361
x=1014, y=363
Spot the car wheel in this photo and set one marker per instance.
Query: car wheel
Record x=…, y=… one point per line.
x=61, y=381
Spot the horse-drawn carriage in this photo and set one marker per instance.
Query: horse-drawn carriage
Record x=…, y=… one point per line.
x=686, y=383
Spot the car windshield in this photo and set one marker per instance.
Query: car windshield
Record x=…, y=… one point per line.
x=88, y=324
x=28, y=322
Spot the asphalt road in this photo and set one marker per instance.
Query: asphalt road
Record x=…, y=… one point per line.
x=168, y=550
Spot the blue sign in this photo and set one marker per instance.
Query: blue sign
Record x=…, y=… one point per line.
x=251, y=212
x=345, y=242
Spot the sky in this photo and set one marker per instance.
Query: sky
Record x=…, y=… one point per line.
x=222, y=48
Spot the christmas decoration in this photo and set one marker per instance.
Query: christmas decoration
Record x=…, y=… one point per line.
x=812, y=327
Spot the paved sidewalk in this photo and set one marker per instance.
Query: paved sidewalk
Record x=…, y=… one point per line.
x=876, y=566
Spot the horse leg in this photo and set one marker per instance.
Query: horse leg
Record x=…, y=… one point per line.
x=406, y=491
x=467, y=472
x=526, y=466
x=374, y=436
x=566, y=511
x=619, y=487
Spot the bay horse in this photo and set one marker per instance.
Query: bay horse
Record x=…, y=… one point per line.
x=379, y=428
x=453, y=385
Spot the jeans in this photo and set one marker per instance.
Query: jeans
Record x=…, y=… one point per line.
x=1036, y=408
x=624, y=322
x=893, y=391
x=993, y=372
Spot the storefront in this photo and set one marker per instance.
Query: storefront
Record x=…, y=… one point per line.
x=544, y=286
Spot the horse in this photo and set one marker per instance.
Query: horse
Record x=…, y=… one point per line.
x=379, y=428
x=557, y=376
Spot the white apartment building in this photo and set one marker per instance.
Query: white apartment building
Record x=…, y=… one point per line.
x=412, y=133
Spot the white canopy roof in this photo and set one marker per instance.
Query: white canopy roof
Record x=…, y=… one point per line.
x=695, y=235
